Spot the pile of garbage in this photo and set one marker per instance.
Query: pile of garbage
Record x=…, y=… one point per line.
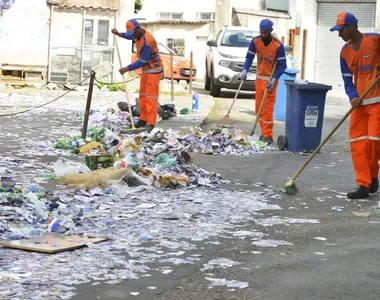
x=160, y=158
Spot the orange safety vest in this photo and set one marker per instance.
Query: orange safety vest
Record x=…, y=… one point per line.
x=154, y=63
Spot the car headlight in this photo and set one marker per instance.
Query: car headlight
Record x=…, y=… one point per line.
x=225, y=63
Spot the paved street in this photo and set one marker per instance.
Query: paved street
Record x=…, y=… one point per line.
x=326, y=254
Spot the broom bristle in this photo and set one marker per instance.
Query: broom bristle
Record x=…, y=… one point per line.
x=290, y=188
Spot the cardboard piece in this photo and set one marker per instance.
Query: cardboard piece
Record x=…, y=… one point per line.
x=362, y=214
x=52, y=243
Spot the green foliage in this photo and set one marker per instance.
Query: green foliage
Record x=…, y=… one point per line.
x=138, y=5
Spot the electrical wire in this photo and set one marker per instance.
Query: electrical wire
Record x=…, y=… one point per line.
x=41, y=105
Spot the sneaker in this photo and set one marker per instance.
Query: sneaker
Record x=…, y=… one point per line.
x=374, y=186
x=149, y=128
x=267, y=140
x=140, y=124
x=360, y=193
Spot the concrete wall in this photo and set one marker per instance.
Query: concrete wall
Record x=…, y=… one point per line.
x=25, y=33
x=74, y=55
x=87, y=3
x=195, y=35
x=152, y=8
x=125, y=13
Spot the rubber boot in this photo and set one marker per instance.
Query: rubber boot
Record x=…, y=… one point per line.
x=374, y=186
x=360, y=193
x=149, y=128
x=140, y=124
x=267, y=140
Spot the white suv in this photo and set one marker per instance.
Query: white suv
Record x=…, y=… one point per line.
x=225, y=60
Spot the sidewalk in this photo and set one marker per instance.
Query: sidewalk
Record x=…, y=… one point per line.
x=102, y=100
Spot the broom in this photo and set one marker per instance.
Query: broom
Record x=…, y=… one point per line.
x=227, y=116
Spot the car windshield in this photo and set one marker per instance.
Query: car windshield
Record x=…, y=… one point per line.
x=165, y=50
x=238, y=38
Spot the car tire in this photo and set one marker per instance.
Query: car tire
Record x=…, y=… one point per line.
x=214, y=89
x=162, y=75
x=207, y=81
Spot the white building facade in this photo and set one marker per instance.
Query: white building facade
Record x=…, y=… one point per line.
x=303, y=24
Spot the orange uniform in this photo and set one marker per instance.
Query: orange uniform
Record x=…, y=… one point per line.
x=266, y=58
x=364, y=67
x=150, y=62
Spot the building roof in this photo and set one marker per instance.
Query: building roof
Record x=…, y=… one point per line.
x=85, y=4
x=262, y=13
x=182, y=22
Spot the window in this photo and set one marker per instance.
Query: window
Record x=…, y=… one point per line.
x=177, y=45
x=88, y=31
x=103, y=32
x=170, y=16
x=238, y=38
x=206, y=16
x=278, y=5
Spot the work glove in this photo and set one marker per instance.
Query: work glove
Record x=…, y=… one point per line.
x=270, y=84
x=243, y=74
x=114, y=31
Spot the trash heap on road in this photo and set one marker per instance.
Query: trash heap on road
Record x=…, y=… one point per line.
x=161, y=157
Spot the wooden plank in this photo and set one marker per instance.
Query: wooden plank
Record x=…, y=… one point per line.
x=52, y=243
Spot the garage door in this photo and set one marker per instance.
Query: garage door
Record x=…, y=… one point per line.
x=329, y=44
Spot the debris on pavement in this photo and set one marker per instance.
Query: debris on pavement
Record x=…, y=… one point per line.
x=49, y=243
x=144, y=221
x=228, y=283
x=220, y=262
x=337, y=208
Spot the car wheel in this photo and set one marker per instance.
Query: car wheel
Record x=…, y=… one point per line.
x=162, y=75
x=207, y=81
x=214, y=89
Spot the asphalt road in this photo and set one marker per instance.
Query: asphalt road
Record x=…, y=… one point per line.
x=342, y=263
x=336, y=258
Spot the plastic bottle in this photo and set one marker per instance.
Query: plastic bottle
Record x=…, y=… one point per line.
x=63, y=169
x=38, y=190
x=30, y=231
x=195, y=105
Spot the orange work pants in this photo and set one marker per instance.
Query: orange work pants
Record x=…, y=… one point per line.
x=149, y=90
x=365, y=142
x=266, y=116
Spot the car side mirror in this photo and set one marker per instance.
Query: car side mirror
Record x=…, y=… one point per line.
x=288, y=48
x=211, y=43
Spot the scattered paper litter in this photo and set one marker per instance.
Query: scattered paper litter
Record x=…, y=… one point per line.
x=271, y=243
x=276, y=220
x=220, y=262
x=228, y=283
x=319, y=238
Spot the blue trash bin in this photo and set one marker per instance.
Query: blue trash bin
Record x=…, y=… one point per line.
x=304, y=116
x=280, y=105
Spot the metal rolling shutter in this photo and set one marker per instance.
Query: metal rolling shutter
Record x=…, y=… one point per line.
x=329, y=44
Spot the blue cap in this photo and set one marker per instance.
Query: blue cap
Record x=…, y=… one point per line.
x=131, y=25
x=266, y=24
x=344, y=18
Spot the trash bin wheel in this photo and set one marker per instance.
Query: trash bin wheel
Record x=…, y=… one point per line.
x=282, y=142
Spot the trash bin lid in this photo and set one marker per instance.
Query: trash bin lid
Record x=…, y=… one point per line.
x=291, y=71
x=309, y=86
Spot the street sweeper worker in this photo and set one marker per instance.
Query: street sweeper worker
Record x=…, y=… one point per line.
x=360, y=65
x=269, y=49
x=150, y=62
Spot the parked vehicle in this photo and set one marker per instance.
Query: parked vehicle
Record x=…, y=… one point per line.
x=225, y=60
x=181, y=65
